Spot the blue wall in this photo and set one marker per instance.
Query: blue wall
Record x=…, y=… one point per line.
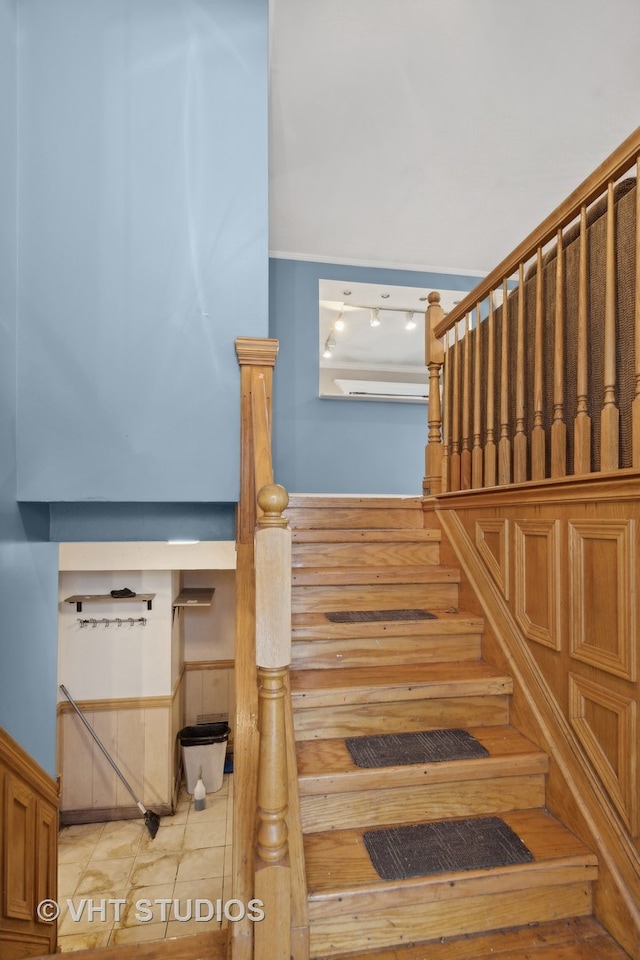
x=28, y=568
x=339, y=446
x=135, y=255
x=142, y=244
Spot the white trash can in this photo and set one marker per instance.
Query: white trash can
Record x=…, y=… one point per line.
x=204, y=746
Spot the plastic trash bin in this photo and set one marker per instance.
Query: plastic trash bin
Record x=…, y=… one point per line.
x=204, y=747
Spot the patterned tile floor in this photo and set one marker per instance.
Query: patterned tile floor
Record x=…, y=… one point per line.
x=188, y=861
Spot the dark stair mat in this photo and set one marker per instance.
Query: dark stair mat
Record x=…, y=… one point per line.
x=364, y=616
x=423, y=849
x=426, y=746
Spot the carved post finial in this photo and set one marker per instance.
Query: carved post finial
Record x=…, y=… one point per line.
x=273, y=500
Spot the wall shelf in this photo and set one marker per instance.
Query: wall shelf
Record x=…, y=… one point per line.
x=79, y=599
x=195, y=597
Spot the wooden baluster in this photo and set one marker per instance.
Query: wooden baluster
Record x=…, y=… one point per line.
x=454, y=465
x=582, y=423
x=610, y=416
x=273, y=656
x=446, y=417
x=559, y=427
x=504, y=446
x=635, y=408
x=520, y=439
x=490, y=445
x=476, y=455
x=465, y=456
x=538, y=440
x=434, y=358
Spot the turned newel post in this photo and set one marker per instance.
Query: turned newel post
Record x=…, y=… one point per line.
x=273, y=656
x=434, y=358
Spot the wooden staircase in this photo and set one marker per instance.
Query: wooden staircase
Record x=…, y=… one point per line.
x=351, y=679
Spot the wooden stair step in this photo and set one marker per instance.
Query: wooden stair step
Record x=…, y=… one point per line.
x=335, y=793
x=357, y=536
x=432, y=595
x=452, y=622
x=387, y=574
x=383, y=651
x=575, y=938
x=393, y=551
x=325, y=766
x=315, y=688
x=394, y=699
x=350, y=906
x=323, y=512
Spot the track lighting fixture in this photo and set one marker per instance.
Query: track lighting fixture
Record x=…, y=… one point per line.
x=410, y=322
x=375, y=319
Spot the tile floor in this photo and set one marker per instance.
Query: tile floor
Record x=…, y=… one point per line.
x=189, y=860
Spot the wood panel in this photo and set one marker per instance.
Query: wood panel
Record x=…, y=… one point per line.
x=606, y=725
x=492, y=541
x=583, y=736
x=537, y=578
x=140, y=736
x=603, y=608
x=28, y=851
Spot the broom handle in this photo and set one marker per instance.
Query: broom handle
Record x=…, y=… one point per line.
x=100, y=744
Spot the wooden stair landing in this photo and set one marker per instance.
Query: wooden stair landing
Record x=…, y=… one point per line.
x=581, y=938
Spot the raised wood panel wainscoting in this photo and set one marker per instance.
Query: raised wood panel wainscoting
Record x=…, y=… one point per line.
x=141, y=736
x=552, y=567
x=28, y=852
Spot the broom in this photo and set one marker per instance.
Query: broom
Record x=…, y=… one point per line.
x=152, y=820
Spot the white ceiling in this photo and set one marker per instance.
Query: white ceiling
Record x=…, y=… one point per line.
x=438, y=133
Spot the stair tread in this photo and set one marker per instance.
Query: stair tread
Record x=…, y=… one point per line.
x=329, y=501
x=326, y=765
x=577, y=938
x=398, y=573
x=350, y=679
x=357, y=535
x=549, y=842
x=448, y=621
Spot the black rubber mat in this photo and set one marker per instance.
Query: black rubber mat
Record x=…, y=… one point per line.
x=365, y=616
x=427, y=746
x=444, y=847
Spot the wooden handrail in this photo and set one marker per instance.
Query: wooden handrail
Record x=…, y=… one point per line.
x=556, y=364
x=609, y=170
x=267, y=827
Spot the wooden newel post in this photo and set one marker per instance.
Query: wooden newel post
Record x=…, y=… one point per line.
x=273, y=656
x=434, y=358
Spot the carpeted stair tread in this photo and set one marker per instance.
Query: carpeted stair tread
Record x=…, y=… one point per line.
x=378, y=616
x=326, y=765
x=550, y=844
x=450, y=620
x=423, y=746
x=423, y=849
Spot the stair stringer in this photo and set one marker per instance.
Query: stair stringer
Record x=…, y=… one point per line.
x=574, y=793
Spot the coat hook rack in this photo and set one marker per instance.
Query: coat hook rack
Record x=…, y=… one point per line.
x=105, y=621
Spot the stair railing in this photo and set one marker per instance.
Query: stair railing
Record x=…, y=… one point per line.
x=267, y=845
x=536, y=373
